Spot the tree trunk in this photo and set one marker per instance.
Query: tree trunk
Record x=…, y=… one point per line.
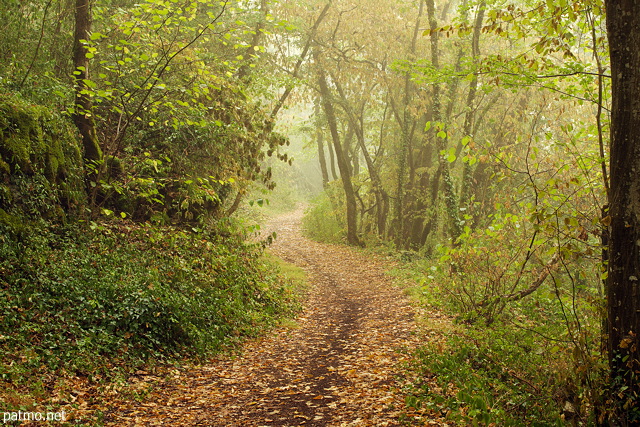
x=356, y=122
x=382, y=198
x=623, y=283
x=467, y=173
x=405, y=124
x=347, y=149
x=343, y=165
x=83, y=115
x=320, y=142
x=332, y=163
x=450, y=196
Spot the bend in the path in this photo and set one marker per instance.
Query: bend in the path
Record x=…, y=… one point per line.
x=337, y=368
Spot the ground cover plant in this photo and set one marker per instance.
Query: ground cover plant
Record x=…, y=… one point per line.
x=534, y=360
x=81, y=301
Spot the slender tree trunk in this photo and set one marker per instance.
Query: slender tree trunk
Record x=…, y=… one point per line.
x=332, y=163
x=623, y=283
x=347, y=148
x=431, y=219
x=236, y=203
x=321, y=157
x=467, y=173
x=423, y=202
x=450, y=196
x=296, y=69
x=453, y=86
x=355, y=160
x=59, y=39
x=382, y=198
x=83, y=115
x=356, y=122
x=320, y=142
x=406, y=125
x=343, y=165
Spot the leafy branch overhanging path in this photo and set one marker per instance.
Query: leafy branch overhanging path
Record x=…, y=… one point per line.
x=340, y=367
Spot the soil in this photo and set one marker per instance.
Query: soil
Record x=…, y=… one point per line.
x=339, y=365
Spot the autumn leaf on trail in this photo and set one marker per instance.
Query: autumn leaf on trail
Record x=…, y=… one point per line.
x=339, y=367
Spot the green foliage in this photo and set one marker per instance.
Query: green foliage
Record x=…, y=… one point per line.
x=81, y=301
x=494, y=376
x=521, y=355
x=171, y=88
x=324, y=220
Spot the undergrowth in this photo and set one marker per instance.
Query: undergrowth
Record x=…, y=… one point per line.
x=324, y=219
x=106, y=298
x=537, y=364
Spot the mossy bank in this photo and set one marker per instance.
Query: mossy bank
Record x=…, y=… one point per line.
x=91, y=296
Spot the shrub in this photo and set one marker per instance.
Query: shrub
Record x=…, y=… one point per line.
x=324, y=221
x=528, y=346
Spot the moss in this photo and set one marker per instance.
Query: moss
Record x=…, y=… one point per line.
x=12, y=223
x=35, y=141
x=115, y=167
x=5, y=169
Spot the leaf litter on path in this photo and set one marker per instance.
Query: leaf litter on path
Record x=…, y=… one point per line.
x=341, y=365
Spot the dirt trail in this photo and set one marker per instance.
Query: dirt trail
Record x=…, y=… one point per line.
x=338, y=368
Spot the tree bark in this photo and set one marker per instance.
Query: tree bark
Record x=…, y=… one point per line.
x=343, y=165
x=405, y=124
x=356, y=122
x=467, y=173
x=320, y=142
x=83, y=115
x=332, y=163
x=450, y=195
x=623, y=283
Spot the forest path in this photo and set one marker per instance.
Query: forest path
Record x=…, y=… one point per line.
x=339, y=367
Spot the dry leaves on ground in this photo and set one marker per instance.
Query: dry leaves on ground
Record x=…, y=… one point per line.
x=340, y=366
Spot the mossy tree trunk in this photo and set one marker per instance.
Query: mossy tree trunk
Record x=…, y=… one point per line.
x=450, y=196
x=83, y=115
x=407, y=123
